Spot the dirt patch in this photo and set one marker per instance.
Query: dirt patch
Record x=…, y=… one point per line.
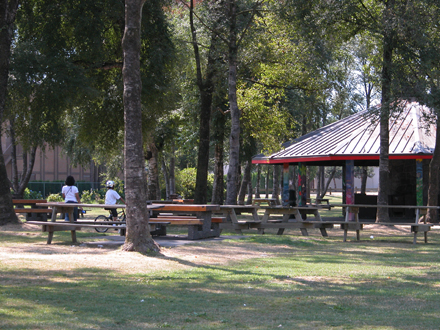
x=62, y=257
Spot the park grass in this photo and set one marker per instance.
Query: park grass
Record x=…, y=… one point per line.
x=256, y=282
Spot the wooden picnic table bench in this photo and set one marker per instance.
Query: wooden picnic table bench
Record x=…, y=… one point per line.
x=33, y=212
x=352, y=211
x=297, y=222
x=199, y=226
x=268, y=201
x=60, y=207
x=231, y=221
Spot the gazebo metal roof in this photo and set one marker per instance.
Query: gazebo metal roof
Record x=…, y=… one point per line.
x=412, y=136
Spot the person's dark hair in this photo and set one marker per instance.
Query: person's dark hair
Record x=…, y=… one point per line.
x=70, y=181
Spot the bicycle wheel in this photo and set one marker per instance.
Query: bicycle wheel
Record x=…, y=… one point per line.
x=101, y=218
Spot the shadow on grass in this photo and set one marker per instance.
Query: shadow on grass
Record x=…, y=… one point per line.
x=215, y=297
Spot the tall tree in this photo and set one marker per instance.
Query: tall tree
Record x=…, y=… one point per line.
x=138, y=237
x=8, y=10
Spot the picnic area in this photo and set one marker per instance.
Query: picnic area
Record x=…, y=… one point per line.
x=235, y=281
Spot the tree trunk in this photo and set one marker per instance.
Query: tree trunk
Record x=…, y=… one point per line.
x=234, y=137
x=245, y=182
x=266, y=183
x=433, y=188
x=206, y=88
x=318, y=188
x=153, y=173
x=8, y=9
x=166, y=179
x=138, y=237
x=382, y=198
x=364, y=180
x=172, y=170
x=19, y=184
x=257, y=184
x=276, y=184
x=324, y=191
x=250, y=190
x=218, y=128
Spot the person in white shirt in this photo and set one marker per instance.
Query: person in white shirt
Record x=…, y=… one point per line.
x=71, y=195
x=111, y=198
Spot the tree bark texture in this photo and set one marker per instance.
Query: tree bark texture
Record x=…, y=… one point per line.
x=19, y=183
x=276, y=184
x=364, y=180
x=166, y=178
x=172, y=171
x=433, y=188
x=234, y=137
x=153, y=173
x=382, y=198
x=8, y=10
x=245, y=182
x=206, y=87
x=138, y=237
x=257, y=184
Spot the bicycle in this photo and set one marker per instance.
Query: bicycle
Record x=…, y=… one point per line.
x=103, y=218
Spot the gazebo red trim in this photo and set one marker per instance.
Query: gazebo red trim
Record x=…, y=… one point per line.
x=332, y=158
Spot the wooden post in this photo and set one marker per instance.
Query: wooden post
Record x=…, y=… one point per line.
x=419, y=181
x=285, y=194
x=349, y=184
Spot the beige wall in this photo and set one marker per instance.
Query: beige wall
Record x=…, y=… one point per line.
x=50, y=165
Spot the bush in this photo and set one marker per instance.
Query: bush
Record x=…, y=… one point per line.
x=29, y=194
x=186, y=183
x=91, y=197
x=55, y=198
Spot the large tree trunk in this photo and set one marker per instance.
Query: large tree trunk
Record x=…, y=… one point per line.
x=206, y=88
x=382, y=198
x=234, y=137
x=138, y=237
x=8, y=9
x=433, y=188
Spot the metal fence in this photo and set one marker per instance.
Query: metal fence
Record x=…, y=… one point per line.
x=47, y=188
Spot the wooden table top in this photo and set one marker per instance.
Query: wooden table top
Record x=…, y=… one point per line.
x=388, y=206
x=188, y=207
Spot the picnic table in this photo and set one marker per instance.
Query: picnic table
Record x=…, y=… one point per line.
x=230, y=213
x=296, y=222
x=60, y=207
x=198, y=218
x=416, y=225
x=268, y=201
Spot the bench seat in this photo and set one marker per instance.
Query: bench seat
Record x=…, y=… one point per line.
x=28, y=210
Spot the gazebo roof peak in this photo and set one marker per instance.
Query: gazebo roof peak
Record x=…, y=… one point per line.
x=412, y=135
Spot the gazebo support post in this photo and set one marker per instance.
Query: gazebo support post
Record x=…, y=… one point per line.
x=285, y=194
x=349, y=185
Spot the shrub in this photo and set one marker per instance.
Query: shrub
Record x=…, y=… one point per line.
x=55, y=198
x=186, y=183
x=29, y=194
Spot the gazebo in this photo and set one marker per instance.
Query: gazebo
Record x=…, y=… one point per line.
x=355, y=141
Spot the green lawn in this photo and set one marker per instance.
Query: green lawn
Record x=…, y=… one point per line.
x=258, y=282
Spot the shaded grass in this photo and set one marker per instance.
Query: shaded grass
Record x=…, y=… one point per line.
x=287, y=282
